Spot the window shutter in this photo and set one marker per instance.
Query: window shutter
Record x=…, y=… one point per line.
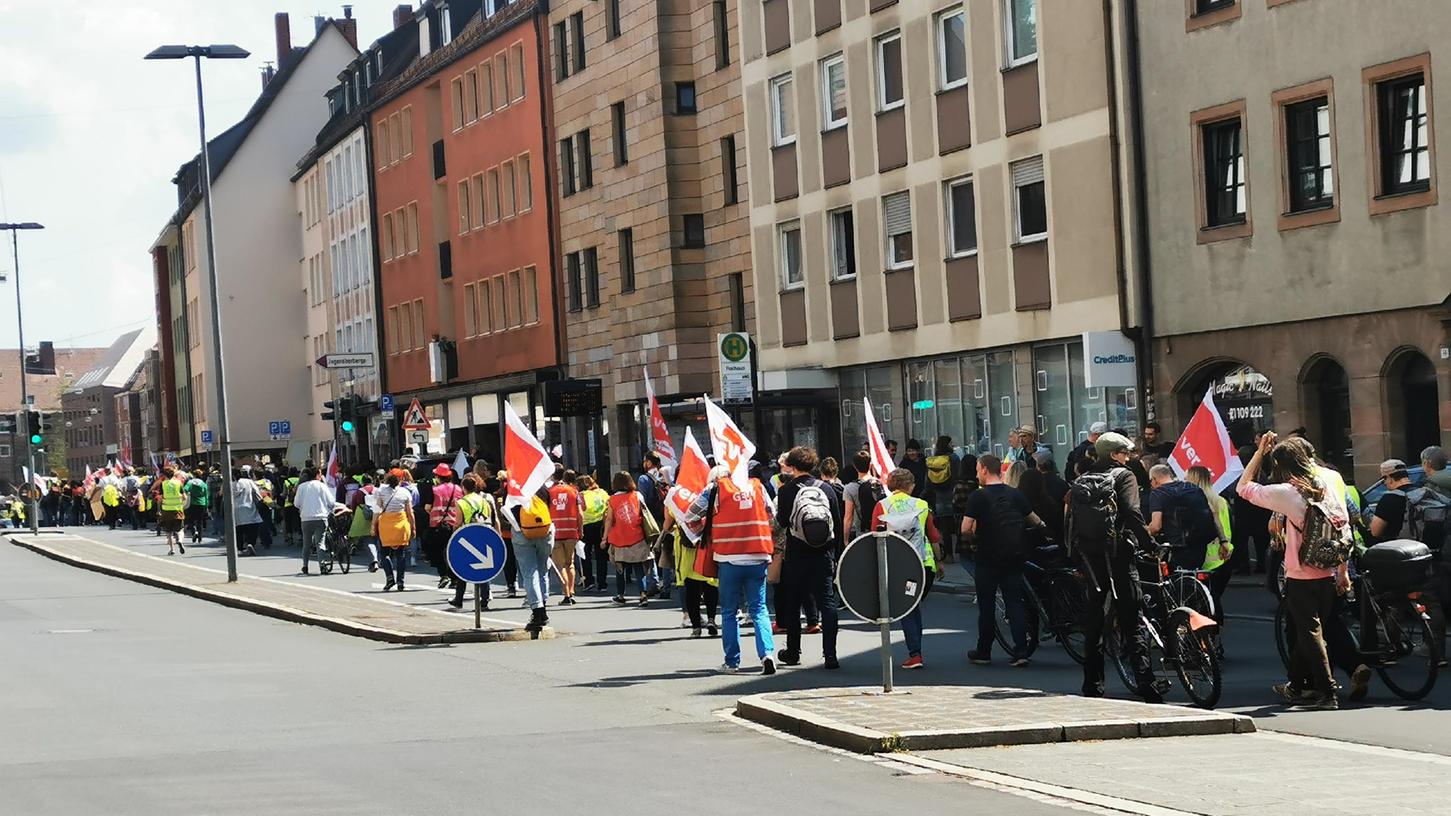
x=1028, y=172
x=898, y=213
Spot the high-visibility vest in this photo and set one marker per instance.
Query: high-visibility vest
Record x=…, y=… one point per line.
x=902, y=504
x=564, y=509
x=1216, y=554
x=110, y=496
x=171, y=496
x=742, y=521
x=627, y=528
x=477, y=508
x=595, y=501
x=289, y=489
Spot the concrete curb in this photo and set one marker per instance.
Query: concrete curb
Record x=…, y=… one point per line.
x=283, y=612
x=759, y=708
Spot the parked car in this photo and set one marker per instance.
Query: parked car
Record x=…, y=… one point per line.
x=1371, y=495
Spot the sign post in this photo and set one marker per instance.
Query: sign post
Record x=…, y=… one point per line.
x=476, y=555
x=882, y=579
x=737, y=380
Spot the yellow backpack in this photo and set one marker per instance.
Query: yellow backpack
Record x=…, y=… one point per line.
x=534, y=520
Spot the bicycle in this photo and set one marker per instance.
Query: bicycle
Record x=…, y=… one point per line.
x=1053, y=600
x=1409, y=653
x=1177, y=615
x=339, y=552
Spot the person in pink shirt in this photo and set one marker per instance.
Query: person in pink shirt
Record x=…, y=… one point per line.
x=1309, y=591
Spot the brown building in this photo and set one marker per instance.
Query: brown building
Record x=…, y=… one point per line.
x=92, y=435
x=49, y=372
x=1296, y=241
x=653, y=224
x=464, y=221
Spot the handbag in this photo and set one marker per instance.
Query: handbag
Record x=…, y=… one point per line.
x=647, y=521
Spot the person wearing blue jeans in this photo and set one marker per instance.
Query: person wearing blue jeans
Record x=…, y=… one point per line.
x=746, y=582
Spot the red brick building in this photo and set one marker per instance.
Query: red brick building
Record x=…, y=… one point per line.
x=464, y=222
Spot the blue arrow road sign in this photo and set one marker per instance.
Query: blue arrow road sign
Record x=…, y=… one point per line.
x=385, y=402
x=476, y=553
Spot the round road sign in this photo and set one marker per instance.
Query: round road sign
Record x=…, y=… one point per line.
x=856, y=577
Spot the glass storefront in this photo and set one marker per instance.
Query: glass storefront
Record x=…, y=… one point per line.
x=974, y=398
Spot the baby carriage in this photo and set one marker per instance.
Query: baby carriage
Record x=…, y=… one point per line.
x=339, y=548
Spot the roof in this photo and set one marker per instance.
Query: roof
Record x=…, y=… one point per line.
x=118, y=363
x=478, y=30
x=223, y=147
x=70, y=364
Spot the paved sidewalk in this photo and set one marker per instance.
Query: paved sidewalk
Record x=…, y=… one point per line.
x=345, y=612
x=1263, y=774
x=935, y=717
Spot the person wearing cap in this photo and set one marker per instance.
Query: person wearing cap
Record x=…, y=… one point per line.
x=1080, y=453
x=314, y=502
x=246, y=498
x=1109, y=567
x=1390, y=511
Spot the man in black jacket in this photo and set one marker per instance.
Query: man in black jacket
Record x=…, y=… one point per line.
x=808, y=571
x=1111, y=571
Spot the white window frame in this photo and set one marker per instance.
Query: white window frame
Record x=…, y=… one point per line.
x=1020, y=238
x=947, y=207
x=827, y=122
x=445, y=26
x=882, y=105
x=1009, y=35
x=831, y=242
x=777, y=106
x=891, y=262
x=940, y=34
x=783, y=273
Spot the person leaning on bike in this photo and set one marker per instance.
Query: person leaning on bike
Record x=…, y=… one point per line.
x=1104, y=523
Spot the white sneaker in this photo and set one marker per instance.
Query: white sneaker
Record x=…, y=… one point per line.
x=685, y=621
x=726, y=668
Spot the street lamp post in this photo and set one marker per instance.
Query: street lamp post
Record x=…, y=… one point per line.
x=33, y=513
x=196, y=52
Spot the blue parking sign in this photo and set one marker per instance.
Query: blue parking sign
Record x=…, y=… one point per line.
x=206, y=437
x=385, y=402
x=274, y=428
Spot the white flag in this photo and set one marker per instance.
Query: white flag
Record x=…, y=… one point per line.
x=460, y=464
x=730, y=446
x=882, y=464
x=526, y=460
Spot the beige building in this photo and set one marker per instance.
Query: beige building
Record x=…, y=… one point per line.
x=936, y=217
x=1296, y=240
x=650, y=164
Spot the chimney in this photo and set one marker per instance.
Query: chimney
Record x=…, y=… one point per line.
x=284, y=38
x=318, y=21
x=401, y=15
x=267, y=73
x=348, y=27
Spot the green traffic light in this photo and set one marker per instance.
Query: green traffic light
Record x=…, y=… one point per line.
x=347, y=426
x=35, y=439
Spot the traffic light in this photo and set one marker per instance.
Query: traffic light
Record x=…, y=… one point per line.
x=36, y=439
x=330, y=410
x=35, y=424
x=347, y=410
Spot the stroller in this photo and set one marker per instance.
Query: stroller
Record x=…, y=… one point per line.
x=339, y=551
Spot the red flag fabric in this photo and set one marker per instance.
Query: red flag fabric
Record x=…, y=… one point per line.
x=730, y=446
x=90, y=478
x=660, y=435
x=526, y=460
x=882, y=464
x=334, y=471
x=690, y=482
x=1205, y=443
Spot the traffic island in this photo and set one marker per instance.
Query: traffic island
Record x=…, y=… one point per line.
x=345, y=612
x=868, y=721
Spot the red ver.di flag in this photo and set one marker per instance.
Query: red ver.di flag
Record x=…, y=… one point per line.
x=526, y=460
x=730, y=446
x=881, y=457
x=690, y=482
x=1205, y=443
x=659, y=434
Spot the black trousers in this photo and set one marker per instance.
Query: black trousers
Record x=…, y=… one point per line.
x=697, y=591
x=807, y=576
x=511, y=567
x=1113, y=576
x=596, y=558
x=1310, y=603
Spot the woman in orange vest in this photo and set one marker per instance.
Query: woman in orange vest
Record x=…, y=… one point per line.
x=564, y=510
x=625, y=533
x=740, y=539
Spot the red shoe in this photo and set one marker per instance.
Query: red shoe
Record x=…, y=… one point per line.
x=913, y=662
x=777, y=630
x=814, y=629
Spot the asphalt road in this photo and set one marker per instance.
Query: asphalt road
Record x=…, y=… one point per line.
x=135, y=700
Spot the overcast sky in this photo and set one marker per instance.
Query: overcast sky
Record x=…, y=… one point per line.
x=91, y=135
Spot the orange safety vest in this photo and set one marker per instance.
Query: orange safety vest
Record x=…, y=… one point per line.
x=742, y=521
x=564, y=509
x=627, y=529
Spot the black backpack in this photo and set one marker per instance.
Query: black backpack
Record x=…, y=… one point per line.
x=1428, y=511
x=869, y=494
x=1003, y=539
x=1093, y=512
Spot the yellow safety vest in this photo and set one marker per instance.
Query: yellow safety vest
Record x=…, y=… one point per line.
x=171, y=501
x=111, y=496
x=1216, y=554
x=594, y=501
x=902, y=503
x=476, y=509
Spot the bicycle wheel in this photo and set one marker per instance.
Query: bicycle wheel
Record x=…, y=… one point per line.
x=1196, y=663
x=1113, y=652
x=1003, y=630
x=324, y=561
x=1412, y=652
x=1186, y=590
x=345, y=554
x=1068, y=602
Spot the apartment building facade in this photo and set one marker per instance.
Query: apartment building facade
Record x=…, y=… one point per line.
x=93, y=433
x=1294, y=220
x=653, y=221
x=262, y=317
x=937, y=219
x=464, y=222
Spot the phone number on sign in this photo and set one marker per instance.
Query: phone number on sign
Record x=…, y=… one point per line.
x=1245, y=412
